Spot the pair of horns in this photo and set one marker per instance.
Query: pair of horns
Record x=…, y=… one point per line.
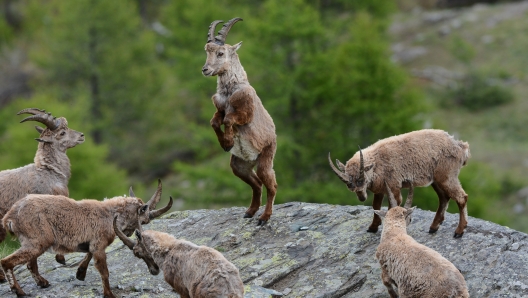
x=222, y=34
x=127, y=241
x=42, y=117
x=154, y=200
x=348, y=179
x=392, y=200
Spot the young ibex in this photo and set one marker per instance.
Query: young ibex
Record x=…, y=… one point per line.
x=50, y=172
x=192, y=271
x=422, y=158
x=63, y=225
x=415, y=269
x=249, y=130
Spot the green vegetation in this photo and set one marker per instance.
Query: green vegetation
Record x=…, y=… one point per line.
x=130, y=79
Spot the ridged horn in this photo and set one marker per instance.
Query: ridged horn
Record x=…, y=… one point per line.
x=222, y=34
x=40, y=116
x=392, y=200
x=212, y=27
x=336, y=171
x=155, y=197
x=155, y=213
x=127, y=241
x=410, y=195
x=361, y=165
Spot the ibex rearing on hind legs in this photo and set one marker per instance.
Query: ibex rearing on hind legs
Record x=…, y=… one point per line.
x=249, y=131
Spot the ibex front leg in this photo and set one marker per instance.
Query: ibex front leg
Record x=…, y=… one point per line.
x=216, y=124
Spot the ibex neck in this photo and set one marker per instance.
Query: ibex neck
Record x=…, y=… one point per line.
x=48, y=158
x=229, y=81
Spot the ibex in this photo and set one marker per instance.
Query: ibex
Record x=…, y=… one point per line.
x=50, y=172
x=63, y=225
x=249, y=131
x=416, y=270
x=421, y=158
x=192, y=271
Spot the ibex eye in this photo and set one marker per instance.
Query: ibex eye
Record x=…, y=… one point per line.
x=220, y=54
x=62, y=133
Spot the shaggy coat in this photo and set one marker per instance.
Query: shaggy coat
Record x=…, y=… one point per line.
x=416, y=270
x=419, y=158
x=249, y=132
x=50, y=172
x=62, y=225
x=193, y=271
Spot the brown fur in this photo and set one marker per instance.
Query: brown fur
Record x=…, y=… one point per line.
x=420, y=158
x=249, y=131
x=416, y=270
x=49, y=174
x=63, y=225
x=192, y=271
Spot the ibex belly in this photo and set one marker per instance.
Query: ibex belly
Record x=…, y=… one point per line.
x=243, y=149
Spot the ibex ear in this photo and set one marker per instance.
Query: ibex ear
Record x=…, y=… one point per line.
x=381, y=213
x=237, y=46
x=39, y=129
x=138, y=235
x=143, y=209
x=367, y=168
x=409, y=211
x=43, y=141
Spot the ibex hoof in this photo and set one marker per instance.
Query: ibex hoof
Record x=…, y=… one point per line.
x=432, y=231
x=18, y=292
x=372, y=230
x=457, y=235
x=247, y=215
x=2, y=280
x=44, y=284
x=60, y=259
x=261, y=222
x=81, y=274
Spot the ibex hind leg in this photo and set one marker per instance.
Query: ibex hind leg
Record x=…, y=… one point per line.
x=2, y=238
x=454, y=190
x=443, y=203
x=267, y=175
x=244, y=170
x=33, y=268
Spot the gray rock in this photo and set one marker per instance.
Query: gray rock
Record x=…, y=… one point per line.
x=334, y=257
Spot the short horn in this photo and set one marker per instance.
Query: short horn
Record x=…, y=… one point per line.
x=336, y=171
x=361, y=165
x=222, y=34
x=392, y=200
x=40, y=116
x=410, y=195
x=155, y=213
x=212, y=27
x=155, y=197
x=131, y=193
x=127, y=241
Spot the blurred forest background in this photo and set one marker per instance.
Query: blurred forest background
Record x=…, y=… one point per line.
x=333, y=74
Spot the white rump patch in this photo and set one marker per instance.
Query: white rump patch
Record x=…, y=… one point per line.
x=244, y=149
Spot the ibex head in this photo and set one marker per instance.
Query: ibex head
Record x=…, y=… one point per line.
x=138, y=212
x=219, y=54
x=395, y=210
x=138, y=247
x=356, y=175
x=56, y=133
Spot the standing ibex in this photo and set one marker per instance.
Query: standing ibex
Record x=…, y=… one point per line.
x=192, y=271
x=415, y=269
x=249, y=130
x=421, y=158
x=50, y=172
x=63, y=225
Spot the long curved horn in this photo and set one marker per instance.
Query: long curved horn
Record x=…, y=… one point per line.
x=361, y=165
x=127, y=241
x=410, y=195
x=155, y=213
x=212, y=27
x=40, y=116
x=336, y=171
x=392, y=200
x=222, y=34
x=155, y=197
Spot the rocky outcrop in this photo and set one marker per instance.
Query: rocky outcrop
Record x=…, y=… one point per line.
x=306, y=250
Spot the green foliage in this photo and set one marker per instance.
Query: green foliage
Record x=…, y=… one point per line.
x=477, y=92
x=92, y=176
x=462, y=50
